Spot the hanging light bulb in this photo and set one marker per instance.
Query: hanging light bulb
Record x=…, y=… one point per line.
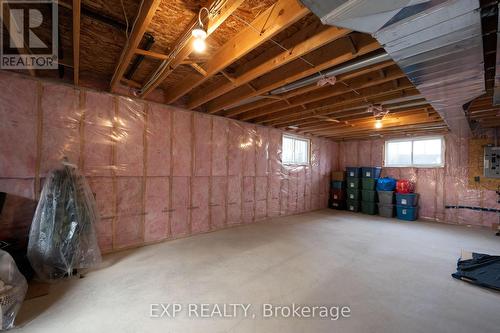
x=199, y=45
x=199, y=33
x=378, y=123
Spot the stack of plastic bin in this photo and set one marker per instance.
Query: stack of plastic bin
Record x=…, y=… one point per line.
x=369, y=194
x=385, y=192
x=338, y=191
x=407, y=207
x=353, y=189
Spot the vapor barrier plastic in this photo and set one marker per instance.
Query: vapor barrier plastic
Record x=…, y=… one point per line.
x=157, y=172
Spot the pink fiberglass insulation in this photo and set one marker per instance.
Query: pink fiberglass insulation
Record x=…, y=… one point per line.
x=180, y=207
x=219, y=146
x=218, y=202
x=157, y=215
x=437, y=187
x=158, y=134
x=200, y=218
x=98, y=129
x=157, y=172
x=181, y=145
x=202, y=145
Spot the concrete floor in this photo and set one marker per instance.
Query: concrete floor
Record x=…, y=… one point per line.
x=394, y=276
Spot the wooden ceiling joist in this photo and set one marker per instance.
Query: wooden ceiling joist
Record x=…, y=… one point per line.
x=326, y=57
x=321, y=37
x=321, y=107
x=331, y=110
x=275, y=19
x=143, y=20
x=229, y=7
x=325, y=92
x=343, y=77
x=76, y=41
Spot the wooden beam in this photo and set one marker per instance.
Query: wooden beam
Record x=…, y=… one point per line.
x=296, y=92
x=151, y=54
x=76, y=41
x=143, y=20
x=275, y=19
x=329, y=56
x=199, y=69
x=225, y=11
x=343, y=99
x=332, y=108
x=322, y=37
x=369, y=80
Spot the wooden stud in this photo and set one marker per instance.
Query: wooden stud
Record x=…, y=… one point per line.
x=76, y=41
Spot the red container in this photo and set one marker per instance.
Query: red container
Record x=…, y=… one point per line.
x=405, y=186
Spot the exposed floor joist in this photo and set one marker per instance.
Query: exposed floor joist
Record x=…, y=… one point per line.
x=144, y=17
x=319, y=38
x=187, y=47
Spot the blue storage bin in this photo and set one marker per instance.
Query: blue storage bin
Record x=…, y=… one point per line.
x=386, y=184
x=407, y=213
x=338, y=185
x=371, y=172
x=353, y=172
x=409, y=199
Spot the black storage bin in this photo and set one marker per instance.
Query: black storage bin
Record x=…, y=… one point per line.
x=353, y=183
x=353, y=205
x=353, y=172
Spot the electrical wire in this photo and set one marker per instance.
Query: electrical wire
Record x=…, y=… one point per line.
x=212, y=12
x=126, y=18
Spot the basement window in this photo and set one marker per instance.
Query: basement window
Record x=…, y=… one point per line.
x=295, y=150
x=424, y=152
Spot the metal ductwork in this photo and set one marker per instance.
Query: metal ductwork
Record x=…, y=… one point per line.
x=437, y=43
x=337, y=70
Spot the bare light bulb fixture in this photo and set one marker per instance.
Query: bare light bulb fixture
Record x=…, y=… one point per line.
x=199, y=33
x=378, y=123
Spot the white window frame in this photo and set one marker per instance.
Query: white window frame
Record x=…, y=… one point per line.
x=296, y=137
x=413, y=165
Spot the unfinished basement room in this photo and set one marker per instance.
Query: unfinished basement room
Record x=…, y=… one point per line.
x=250, y=166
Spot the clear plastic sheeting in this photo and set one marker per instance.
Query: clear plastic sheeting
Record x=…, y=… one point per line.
x=157, y=172
x=62, y=236
x=13, y=288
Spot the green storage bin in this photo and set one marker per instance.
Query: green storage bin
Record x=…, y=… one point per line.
x=369, y=196
x=369, y=183
x=369, y=208
x=353, y=205
x=354, y=195
x=353, y=183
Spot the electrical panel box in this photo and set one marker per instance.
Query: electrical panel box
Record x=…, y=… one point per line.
x=492, y=162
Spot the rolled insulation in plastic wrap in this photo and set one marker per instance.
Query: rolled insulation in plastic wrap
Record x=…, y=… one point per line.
x=13, y=288
x=62, y=236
